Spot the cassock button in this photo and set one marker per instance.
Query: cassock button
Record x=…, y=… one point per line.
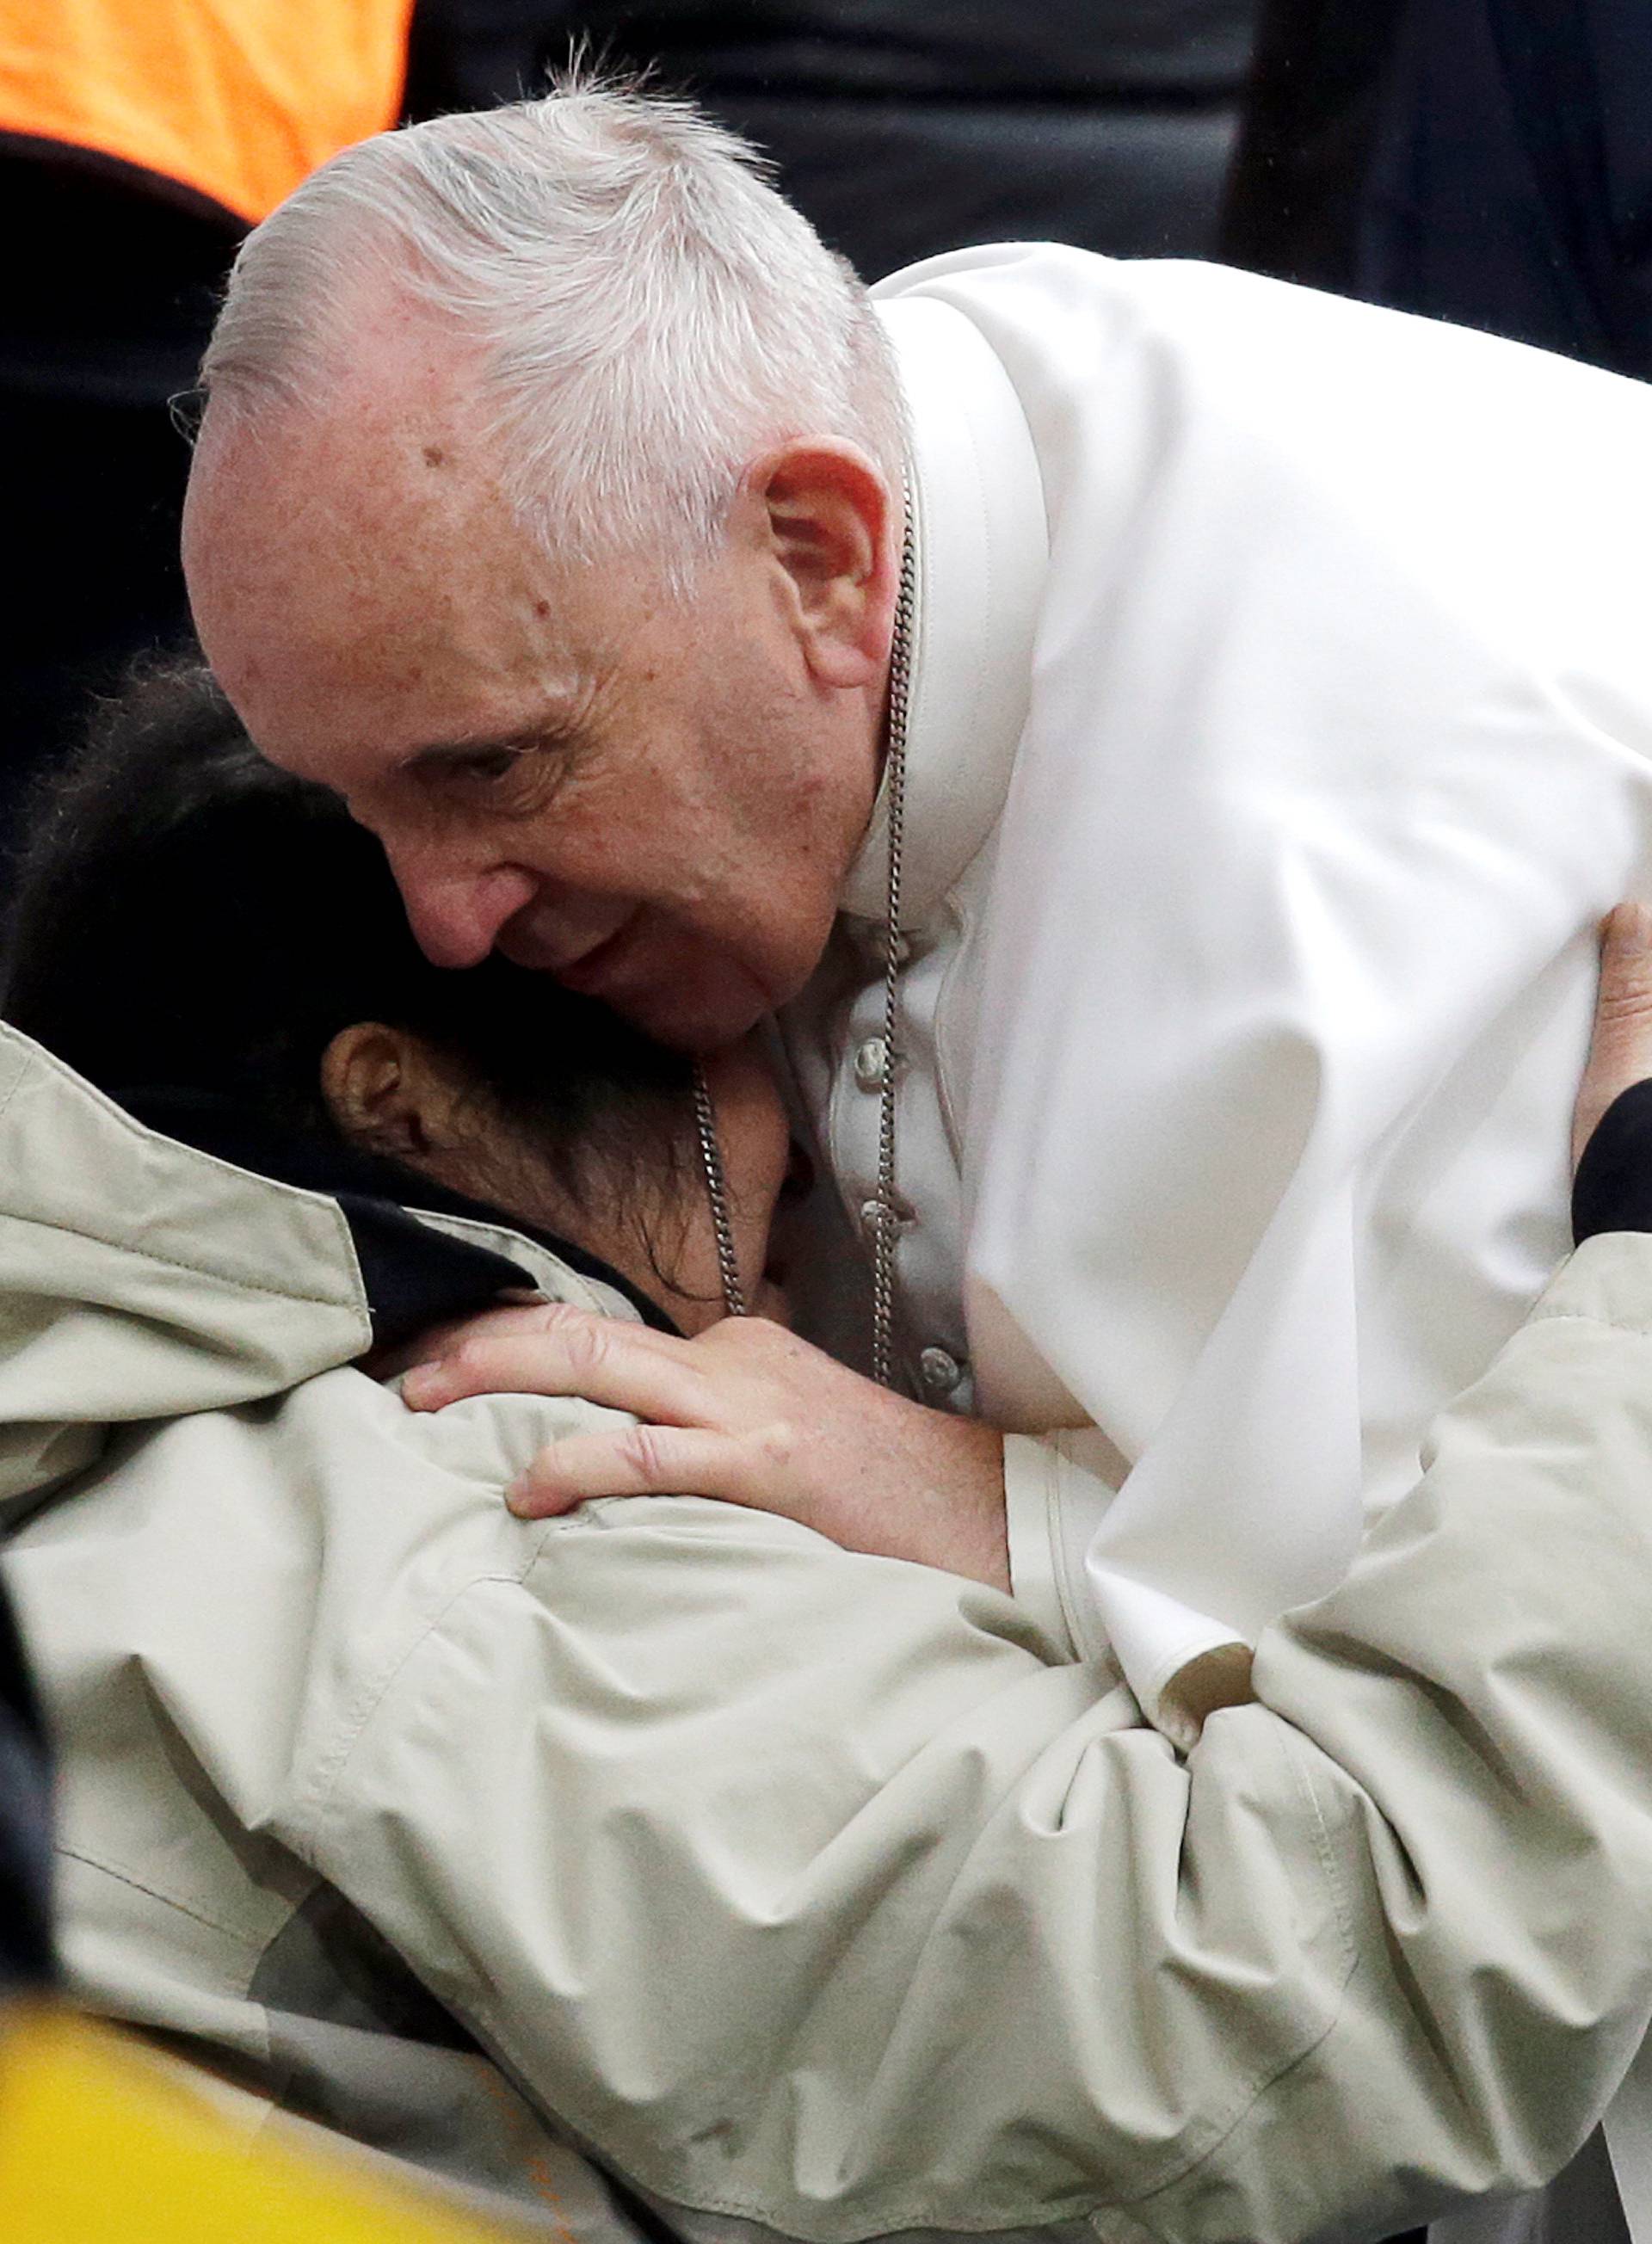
x=939, y=1371
x=868, y=1064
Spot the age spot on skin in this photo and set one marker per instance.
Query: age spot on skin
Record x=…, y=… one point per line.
x=434, y=455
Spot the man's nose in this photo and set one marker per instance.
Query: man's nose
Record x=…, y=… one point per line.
x=455, y=918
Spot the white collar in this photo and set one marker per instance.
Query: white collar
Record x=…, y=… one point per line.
x=981, y=545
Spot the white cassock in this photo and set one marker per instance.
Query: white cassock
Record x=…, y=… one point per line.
x=1281, y=722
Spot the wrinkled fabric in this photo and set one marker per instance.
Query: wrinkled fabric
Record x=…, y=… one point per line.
x=1256, y=864
x=1260, y=819
x=810, y=1894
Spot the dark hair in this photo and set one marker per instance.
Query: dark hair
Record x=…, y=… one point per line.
x=186, y=915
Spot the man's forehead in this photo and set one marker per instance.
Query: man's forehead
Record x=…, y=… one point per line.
x=383, y=609
x=325, y=489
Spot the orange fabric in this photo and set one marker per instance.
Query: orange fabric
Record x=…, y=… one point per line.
x=239, y=99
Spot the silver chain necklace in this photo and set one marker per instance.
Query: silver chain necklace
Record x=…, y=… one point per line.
x=886, y=1219
x=883, y=1212
x=711, y=1163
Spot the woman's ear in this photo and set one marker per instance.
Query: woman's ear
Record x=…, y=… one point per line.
x=384, y=1091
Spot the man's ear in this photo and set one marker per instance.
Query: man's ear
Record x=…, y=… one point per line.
x=383, y=1091
x=832, y=524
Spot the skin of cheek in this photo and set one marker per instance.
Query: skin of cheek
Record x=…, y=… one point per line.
x=718, y=791
x=669, y=1249
x=714, y=786
x=663, y=832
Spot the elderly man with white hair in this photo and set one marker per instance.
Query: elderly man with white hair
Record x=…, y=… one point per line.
x=1162, y=739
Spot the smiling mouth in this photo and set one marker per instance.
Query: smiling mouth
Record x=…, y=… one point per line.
x=593, y=972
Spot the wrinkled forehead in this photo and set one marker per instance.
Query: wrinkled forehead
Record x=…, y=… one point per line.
x=339, y=518
x=358, y=583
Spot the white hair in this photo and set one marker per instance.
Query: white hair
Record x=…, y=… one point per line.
x=648, y=312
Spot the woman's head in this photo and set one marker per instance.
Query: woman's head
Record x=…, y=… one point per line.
x=186, y=916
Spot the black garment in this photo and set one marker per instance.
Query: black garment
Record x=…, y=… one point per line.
x=903, y=128
x=1613, y=1188
x=1484, y=161
x=111, y=287
x=1511, y=181
x=1311, y=114
x=26, y=1960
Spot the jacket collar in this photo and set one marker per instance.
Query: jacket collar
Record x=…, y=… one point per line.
x=981, y=547
x=426, y=1256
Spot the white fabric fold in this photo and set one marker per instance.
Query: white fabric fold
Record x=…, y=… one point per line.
x=1254, y=1025
x=1257, y=1021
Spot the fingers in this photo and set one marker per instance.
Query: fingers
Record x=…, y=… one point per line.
x=435, y=1341
x=1621, y=1051
x=562, y=1351
x=634, y=1461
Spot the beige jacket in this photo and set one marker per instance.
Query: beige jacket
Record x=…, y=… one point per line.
x=808, y=1890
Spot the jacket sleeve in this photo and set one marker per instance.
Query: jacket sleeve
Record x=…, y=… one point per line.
x=824, y=1892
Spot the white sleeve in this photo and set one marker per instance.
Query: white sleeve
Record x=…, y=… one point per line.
x=1053, y=1502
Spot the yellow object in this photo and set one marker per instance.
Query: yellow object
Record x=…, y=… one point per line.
x=98, y=2146
x=238, y=99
